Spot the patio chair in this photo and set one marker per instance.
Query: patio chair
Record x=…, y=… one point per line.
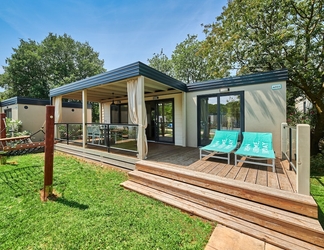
x=89, y=134
x=94, y=135
x=256, y=146
x=224, y=142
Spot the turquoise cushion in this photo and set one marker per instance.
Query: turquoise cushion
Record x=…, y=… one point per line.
x=256, y=144
x=224, y=141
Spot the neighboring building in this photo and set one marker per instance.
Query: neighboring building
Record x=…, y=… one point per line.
x=180, y=114
x=302, y=104
x=31, y=112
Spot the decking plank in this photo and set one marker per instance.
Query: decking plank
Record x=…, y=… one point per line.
x=227, y=238
x=225, y=170
x=292, y=180
x=208, y=168
x=217, y=168
x=285, y=200
x=291, y=175
x=262, y=176
x=251, y=175
x=203, y=166
x=241, y=175
x=273, y=180
x=273, y=218
x=195, y=164
x=233, y=173
x=284, y=183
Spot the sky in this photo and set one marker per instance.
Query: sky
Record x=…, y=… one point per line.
x=122, y=31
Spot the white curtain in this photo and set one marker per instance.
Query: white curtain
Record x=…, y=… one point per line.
x=58, y=108
x=136, y=107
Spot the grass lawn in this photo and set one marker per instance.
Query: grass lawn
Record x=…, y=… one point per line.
x=317, y=190
x=92, y=211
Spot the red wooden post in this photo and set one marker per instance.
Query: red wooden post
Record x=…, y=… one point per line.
x=2, y=125
x=49, y=152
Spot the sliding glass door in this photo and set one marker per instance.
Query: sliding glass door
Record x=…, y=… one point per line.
x=219, y=112
x=160, y=119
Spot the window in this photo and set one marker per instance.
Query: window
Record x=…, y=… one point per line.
x=119, y=113
x=219, y=112
x=8, y=113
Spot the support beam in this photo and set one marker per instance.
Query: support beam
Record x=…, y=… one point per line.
x=141, y=118
x=184, y=119
x=100, y=112
x=84, y=116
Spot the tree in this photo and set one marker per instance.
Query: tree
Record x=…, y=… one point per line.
x=190, y=65
x=186, y=63
x=34, y=68
x=255, y=36
x=161, y=63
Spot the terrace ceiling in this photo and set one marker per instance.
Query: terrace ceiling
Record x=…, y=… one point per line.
x=118, y=91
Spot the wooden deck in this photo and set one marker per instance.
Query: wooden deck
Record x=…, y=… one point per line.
x=188, y=158
x=282, y=179
x=249, y=199
x=283, y=219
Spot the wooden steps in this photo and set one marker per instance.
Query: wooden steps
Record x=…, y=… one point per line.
x=250, y=209
x=101, y=156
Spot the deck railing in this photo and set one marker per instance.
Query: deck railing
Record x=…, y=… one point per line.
x=112, y=136
x=295, y=147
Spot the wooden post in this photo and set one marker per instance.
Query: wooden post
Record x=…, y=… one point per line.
x=2, y=125
x=49, y=152
x=303, y=158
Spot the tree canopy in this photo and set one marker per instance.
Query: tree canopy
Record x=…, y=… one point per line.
x=186, y=63
x=254, y=36
x=34, y=68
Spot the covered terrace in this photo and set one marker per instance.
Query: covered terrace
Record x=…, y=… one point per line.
x=130, y=85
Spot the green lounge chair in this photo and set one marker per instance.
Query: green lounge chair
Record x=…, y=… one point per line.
x=256, y=146
x=224, y=142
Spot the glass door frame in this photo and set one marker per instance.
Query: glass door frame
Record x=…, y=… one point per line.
x=157, y=122
x=218, y=121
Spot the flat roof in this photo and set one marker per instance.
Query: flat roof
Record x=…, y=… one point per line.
x=118, y=75
x=36, y=101
x=234, y=81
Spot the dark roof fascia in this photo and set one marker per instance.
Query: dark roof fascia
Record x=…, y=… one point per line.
x=77, y=105
x=158, y=76
x=128, y=71
x=39, y=102
x=24, y=100
x=235, y=81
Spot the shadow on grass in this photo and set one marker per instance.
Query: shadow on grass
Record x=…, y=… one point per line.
x=321, y=217
x=319, y=197
x=319, y=180
x=72, y=204
x=23, y=180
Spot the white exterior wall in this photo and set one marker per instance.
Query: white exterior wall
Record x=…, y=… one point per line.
x=71, y=115
x=264, y=110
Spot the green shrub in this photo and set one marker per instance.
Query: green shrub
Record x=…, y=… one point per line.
x=13, y=128
x=317, y=164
